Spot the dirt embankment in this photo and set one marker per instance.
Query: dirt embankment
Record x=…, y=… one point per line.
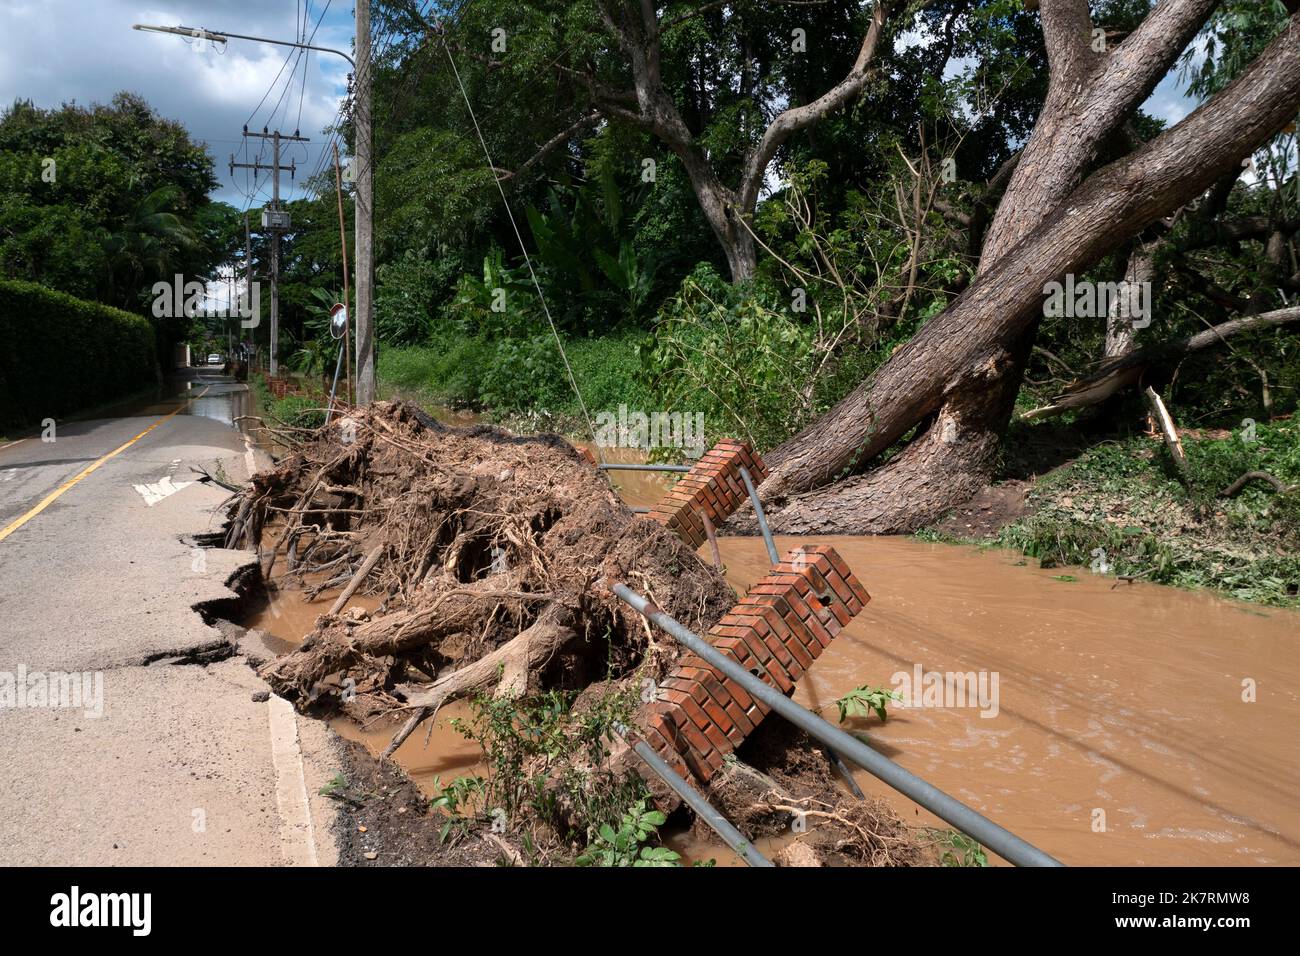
x=492, y=558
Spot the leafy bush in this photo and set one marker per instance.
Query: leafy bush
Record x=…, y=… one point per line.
x=546, y=762
x=404, y=299
x=625, y=846
x=59, y=354
x=734, y=354
x=523, y=374
x=1120, y=509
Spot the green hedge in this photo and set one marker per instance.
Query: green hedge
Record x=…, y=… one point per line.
x=59, y=354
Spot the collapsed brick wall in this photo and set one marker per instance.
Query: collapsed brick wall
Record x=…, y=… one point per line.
x=777, y=630
x=712, y=486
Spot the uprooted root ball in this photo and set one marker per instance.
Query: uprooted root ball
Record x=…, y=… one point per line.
x=495, y=555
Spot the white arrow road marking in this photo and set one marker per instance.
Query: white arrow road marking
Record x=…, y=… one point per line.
x=161, y=489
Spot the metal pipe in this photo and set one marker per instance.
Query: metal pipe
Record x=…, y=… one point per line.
x=998, y=839
x=846, y=773
x=758, y=513
x=335, y=387
x=695, y=800
x=613, y=466
x=639, y=511
x=713, y=538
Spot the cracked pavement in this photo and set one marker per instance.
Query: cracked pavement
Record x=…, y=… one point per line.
x=179, y=769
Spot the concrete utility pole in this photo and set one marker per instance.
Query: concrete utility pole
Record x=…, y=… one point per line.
x=248, y=277
x=365, y=267
x=276, y=222
x=365, y=195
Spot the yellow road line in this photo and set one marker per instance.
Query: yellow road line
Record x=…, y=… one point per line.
x=49, y=499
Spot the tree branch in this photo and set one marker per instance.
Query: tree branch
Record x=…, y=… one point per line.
x=558, y=139
x=800, y=117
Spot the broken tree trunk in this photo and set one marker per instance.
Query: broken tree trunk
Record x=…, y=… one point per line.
x=958, y=376
x=507, y=669
x=1169, y=432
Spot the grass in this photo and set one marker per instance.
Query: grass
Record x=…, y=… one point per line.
x=297, y=411
x=1121, y=509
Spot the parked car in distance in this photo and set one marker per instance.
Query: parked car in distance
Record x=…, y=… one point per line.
x=214, y=358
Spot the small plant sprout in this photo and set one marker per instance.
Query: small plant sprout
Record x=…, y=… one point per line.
x=865, y=700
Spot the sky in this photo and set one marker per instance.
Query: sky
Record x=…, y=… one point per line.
x=56, y=51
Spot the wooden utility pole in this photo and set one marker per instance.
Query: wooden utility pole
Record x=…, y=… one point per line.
x=347, y=305
x=276, y=222
x=365, y=274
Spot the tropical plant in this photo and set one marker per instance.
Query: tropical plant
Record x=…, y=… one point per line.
x=625, y=846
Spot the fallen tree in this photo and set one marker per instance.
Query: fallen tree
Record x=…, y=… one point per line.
x=954, y=383
x=1127, y=368
x=493, y=554
x=492, y=557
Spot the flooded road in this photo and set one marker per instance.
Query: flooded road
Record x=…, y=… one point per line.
x=1121, y=723
x=1120, y=734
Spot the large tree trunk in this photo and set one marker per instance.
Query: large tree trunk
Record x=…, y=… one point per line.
x=957, y=378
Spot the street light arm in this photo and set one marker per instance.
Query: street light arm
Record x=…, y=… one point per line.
x=200, y=34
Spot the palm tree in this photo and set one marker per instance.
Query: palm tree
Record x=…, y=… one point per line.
x=144, y=248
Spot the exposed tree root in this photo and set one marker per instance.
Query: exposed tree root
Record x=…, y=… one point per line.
x=489, y=549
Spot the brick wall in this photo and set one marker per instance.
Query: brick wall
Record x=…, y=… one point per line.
x=713, y=486
x=776, y=632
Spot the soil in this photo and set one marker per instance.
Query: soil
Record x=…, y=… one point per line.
x=995, y=507
x=384, y=820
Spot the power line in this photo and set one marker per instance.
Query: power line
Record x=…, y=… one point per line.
x=524, y=249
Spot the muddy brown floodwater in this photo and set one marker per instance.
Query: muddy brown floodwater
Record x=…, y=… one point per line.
x=1118, y=733
x=1124, y=701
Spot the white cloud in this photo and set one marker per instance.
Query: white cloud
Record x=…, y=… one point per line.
x=57, y=51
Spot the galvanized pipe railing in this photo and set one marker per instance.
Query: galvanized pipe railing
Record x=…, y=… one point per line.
x=760, y=516
x=979, y=827
x=615, y=466
x=695, y=800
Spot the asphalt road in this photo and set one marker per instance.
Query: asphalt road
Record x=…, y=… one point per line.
x=171, y=761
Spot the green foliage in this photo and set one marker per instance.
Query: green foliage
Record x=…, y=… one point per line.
x=404, y=299
x=624, y=846
x=866, y=700
x=103, y=201
x=523, y=374
x=296, y=411
x=454, y=800
x=1120, y=505
x=59, y=354
x=959, y=850
x=588, y=262
x=544, y=759
x=444, y=371
x=736, y=355
x=317, y=350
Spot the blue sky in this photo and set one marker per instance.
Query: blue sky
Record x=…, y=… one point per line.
x=52, y=51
